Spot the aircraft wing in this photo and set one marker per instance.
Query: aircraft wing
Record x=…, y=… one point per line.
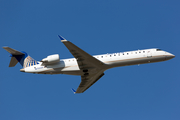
x=92, y=67
x=84, y=59
x=88, y=80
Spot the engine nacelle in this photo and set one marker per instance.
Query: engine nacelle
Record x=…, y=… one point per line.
x=51, y=59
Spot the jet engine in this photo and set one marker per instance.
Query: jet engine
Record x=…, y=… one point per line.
x=51, y=59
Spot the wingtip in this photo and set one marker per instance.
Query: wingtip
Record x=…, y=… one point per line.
x=74, y=91
x=62, y=39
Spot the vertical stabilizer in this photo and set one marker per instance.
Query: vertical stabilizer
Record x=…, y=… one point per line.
x=22, y=57
x=29, y=61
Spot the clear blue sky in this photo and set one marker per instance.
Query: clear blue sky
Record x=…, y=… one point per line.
x=145, y=92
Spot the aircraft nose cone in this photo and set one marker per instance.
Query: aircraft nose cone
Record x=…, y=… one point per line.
x=172, y=56
x=169, y=56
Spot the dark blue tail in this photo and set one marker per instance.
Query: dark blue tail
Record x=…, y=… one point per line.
x=22, y=57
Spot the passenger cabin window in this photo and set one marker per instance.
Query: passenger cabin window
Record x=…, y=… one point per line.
x=143, y=51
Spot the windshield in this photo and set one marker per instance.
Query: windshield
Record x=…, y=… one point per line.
x=159, y=50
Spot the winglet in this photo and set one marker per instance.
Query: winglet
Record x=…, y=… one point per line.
x=73, y=91
x=62, y=39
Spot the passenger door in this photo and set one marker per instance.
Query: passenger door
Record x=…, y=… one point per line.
x=149, y=54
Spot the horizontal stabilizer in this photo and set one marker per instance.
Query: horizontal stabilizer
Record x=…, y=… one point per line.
x=13, y=62
x=16, y=56
x=13, y=51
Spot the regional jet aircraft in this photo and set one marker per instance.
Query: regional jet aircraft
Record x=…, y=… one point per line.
x=90, y=68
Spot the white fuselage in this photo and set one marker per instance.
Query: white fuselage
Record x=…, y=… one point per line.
x=70, y=66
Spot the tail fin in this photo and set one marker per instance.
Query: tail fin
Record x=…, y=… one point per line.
x=21, y=57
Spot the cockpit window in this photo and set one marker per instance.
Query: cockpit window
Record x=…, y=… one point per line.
x=158, y=50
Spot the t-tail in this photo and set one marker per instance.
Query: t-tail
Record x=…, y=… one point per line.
x=22, y=57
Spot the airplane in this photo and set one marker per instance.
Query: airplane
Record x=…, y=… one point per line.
x=90, y=68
